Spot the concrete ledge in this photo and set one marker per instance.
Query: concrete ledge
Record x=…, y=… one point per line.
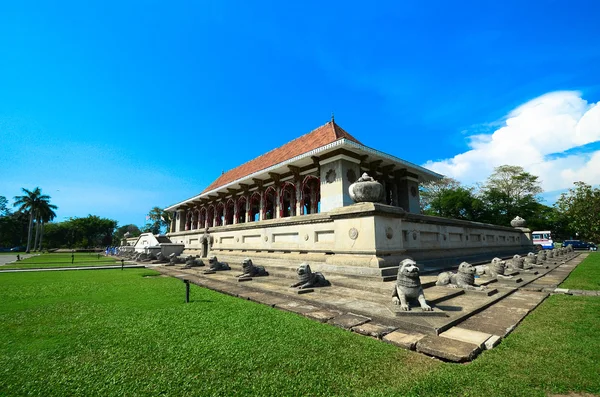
x=455, y=351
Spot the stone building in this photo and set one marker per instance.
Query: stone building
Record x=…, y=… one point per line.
x=293, y=203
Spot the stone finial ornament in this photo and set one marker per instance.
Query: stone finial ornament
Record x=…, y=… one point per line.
x=366, y=189
x=464, y=278
x=518, y=222
x=215, y=265
x=408, y=286
x=250, y=270
x=308, y=279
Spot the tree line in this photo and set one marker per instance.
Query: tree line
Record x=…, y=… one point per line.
x=510, y=191
x=30, y=225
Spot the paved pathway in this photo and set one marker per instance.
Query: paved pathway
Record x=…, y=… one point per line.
x=4, y=259
x=473, y=321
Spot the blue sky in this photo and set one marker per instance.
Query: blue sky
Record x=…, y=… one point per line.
x=115, y=107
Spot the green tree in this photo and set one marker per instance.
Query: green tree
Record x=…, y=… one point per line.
x=4, y=210
x=508, y=192
x=432, y=191
x=580, y=209
x=30, y=203
x=119, y=234
x=457, y=203
x=45, y=214
x=159, y=221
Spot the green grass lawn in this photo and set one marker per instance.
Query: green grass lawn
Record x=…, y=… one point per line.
x=120, y=333
x=586, y=275
x=61, y=260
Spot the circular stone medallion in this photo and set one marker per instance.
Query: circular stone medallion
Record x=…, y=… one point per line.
x=353, y=233
x=389, y=233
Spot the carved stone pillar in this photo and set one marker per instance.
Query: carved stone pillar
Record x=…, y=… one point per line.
x=173, y=227
x=261, y=209
x=180, y=220
x=235, y=212
x=278, y=203
x=248, y=207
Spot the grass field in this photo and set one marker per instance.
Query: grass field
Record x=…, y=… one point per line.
x=585, y=276
x=61, y=260
x=129, y=333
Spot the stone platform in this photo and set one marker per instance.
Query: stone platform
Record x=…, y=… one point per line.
x=462, y=324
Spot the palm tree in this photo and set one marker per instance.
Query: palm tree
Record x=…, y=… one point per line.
x=29, y=203
x=45, y=214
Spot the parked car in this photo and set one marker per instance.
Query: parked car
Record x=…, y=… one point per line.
x=580, y=245
x=17, y=249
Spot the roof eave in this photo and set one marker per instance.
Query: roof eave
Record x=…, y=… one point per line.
x=424, y=173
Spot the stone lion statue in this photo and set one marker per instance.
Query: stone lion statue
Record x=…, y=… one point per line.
x=215, y=265
x=408, y=286
x=309, y=279
x=496, y=269
x=463, y=278
x=542, y=255
x=518, y=263
x=192, y=261
x=160, y=258
x=251, y=270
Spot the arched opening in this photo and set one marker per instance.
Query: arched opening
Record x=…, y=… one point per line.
x=288, y=200
x=241, y=210
x=188, y=220
x=195, y=220
x=311, y=195
x=220, y=210
x=254, y=207
x=229, y=212
x=202, y=218
x=210, y=216
x=270, y=203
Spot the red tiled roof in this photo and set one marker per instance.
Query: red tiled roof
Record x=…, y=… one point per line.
x=325, y=134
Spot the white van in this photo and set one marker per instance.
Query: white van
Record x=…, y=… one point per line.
x=543, y=238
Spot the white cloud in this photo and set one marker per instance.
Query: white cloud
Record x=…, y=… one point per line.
x=542, y=136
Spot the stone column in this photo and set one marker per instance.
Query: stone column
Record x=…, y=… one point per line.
x=248, y=206
x=261, y=207
x=335, y=176
x=215, y=215
x=395, y=193
x=298, y=186
x=278, y=208
x=408, y=197
x=173, y=221
x=180, y=220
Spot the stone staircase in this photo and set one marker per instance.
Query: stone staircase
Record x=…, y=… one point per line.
x=462, y=324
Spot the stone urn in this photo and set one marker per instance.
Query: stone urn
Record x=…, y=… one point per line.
x=518, y=222
x=366, y=190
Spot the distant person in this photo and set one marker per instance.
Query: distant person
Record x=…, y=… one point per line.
x=18, y=257
x=72, y=258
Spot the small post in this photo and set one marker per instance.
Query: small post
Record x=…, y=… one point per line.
x=122, y=263
x=98, y=256
x=187, y=290
x=72, y=258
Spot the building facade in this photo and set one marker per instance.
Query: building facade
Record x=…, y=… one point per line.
x=293, y=204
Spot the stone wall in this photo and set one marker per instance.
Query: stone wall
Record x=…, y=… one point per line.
x=365, y=239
